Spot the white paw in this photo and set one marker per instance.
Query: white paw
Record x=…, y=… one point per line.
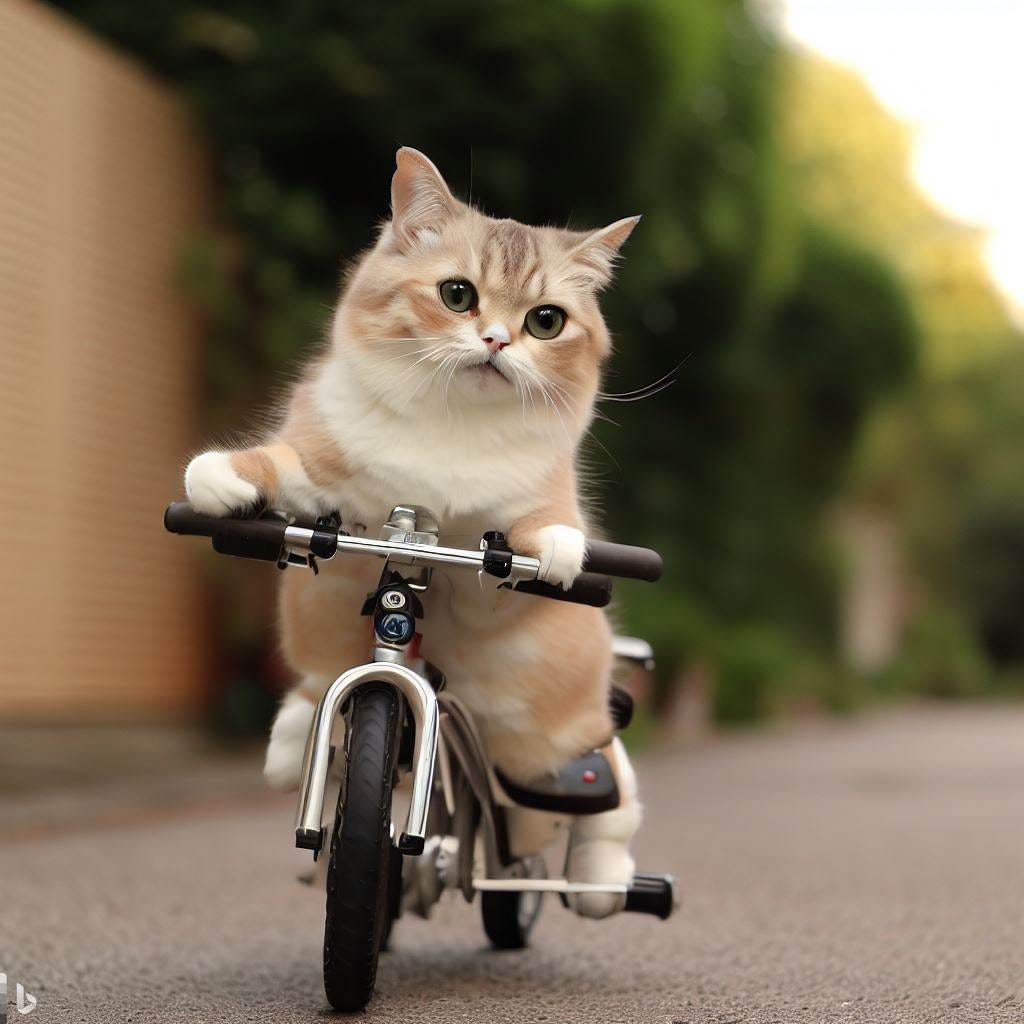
x=599, y=862
x=597, y=905
x=562, y=549
x=283, y=766
x=214, y=488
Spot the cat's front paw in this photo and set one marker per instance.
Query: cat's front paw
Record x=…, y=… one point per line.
x=561, y=553
x=215, y=489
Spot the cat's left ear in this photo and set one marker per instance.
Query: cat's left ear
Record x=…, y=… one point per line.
x=420, y=199
x=597, y=250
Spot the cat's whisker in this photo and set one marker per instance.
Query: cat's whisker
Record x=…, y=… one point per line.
x=521, y=385
x=442, y=370
x=593, y=437
x=528, y=390
x=431, y=354
x=532, y=377
x=442, y=358
x=561, y=392
x=530, y=383
x=519, y=394
x=556, y=393
x=598, y=415
x=537, y=380
x=426, y=382
x=648, y=390
x=406, y=355
x=555, y=409
x=418, y=337
x=456, y=365
x=547, y=402
x=521, y=377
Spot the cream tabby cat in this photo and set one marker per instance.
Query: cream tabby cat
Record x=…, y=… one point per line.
x=462, y=372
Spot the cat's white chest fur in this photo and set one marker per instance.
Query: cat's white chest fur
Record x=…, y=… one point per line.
x=470, y=467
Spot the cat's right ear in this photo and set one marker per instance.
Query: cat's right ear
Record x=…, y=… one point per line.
x=420, y=200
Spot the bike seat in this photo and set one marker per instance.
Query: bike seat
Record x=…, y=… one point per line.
x=584, y=786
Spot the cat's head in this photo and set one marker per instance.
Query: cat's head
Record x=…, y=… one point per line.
x=458, y=310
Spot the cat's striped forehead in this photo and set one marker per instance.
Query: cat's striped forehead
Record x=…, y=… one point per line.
x=511, y=257
x=515, y=263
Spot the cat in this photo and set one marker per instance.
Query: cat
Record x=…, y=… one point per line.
x=462, y=371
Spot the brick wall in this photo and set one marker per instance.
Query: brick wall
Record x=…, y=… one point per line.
x=102, y=181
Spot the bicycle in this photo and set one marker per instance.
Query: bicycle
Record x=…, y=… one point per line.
x=400, y=722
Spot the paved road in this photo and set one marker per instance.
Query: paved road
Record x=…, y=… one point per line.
x=870, y=871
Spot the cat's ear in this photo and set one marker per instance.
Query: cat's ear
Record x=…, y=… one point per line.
x=596, y=251
x=420, y=199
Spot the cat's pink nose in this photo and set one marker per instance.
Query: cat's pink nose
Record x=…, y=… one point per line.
x=496, y=336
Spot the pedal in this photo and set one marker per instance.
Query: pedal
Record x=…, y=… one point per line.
x=652, y=894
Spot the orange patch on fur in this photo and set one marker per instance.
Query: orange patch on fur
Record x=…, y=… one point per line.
x=559, y=505
x=257, y=467
x=375, y=301
x=566, y=690
x=318, y=452
x=322, y=631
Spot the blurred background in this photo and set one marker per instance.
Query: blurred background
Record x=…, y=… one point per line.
x=830, y=252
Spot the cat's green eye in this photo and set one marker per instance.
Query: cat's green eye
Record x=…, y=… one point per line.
x=458, y=296
x=545, y=322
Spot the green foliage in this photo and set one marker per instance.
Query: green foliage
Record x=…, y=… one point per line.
x=945, y=460
x=990, y=573
x=548, y=110
x=732, y=472
x=750, y=668
x=761, y=673
x=940, y=658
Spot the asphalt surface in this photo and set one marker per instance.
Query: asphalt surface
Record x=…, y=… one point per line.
x=864, y=871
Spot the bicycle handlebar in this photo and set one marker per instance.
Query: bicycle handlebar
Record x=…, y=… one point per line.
x=622, y=560
x=268, y=537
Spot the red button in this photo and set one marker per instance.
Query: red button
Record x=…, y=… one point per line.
x=590, y=775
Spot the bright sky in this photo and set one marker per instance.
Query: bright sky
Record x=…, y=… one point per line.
x=953, y=70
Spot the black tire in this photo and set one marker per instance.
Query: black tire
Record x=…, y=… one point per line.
x=359, y=869
x=509, y=917
x=394, y=897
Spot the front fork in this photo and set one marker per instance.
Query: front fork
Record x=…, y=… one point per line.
x=394, y=629
x=309, y=832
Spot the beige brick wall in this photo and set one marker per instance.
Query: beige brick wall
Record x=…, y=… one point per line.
x=101, y=182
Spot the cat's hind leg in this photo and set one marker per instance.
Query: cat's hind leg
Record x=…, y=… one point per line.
x=599, y=843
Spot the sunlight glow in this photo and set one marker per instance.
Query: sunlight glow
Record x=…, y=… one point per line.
x=954, y=73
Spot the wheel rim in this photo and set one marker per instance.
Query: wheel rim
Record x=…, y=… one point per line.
x=529, y=902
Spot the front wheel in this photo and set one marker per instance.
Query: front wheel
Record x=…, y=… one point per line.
x=358, y=910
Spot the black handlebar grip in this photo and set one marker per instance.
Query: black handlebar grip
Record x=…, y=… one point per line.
x=589, y=589
x=180, y=517
x=250, y=538
x=622, y=560
x=651, y=894
x=244, y=538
